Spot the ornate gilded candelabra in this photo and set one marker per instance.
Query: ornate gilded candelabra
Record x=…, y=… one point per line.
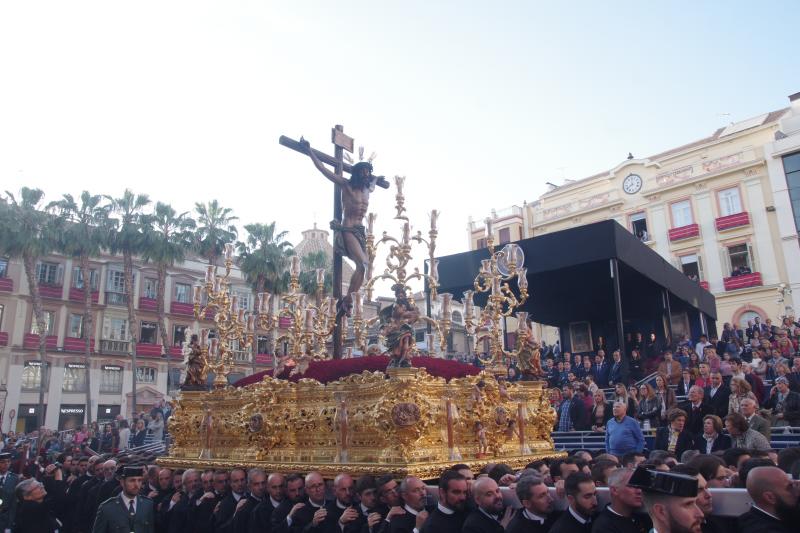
x=397, y=270
x=231, y=324
x=309, y=325
x=493, y=277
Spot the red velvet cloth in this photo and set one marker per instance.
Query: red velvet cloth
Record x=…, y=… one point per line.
x=331, y=370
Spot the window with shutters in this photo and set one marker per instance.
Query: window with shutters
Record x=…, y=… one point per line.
x=74, y=378
x=115, y=329
x=115, y=287
x=505, y=235
x=49, y=273
x=262, y=344
x=111, y=380
x=32, y=373
x=639, y=226
x=146, y=374
x=178, y=335
x=147, y=332
x=183, y=292
x=690, y=266
x=245, y=297
x=49, y=323
x=740, y=259
x=730, y=203
x=681, y=214
x=150, y=288
x=75, y=326
x=77, y=278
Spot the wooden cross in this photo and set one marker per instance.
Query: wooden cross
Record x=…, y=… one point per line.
x=341, y=143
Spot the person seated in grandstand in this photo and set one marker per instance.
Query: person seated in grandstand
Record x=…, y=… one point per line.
x=742, y=436
x=711, y=439
x=685, y=383
x=670, y=368
x=674, y=437
x=536, y=514
x=582, y=499
x=775, y=502
x=450, y=512
x=717, y=395
x=785, y=404
x=696, y=410
x=754, y=420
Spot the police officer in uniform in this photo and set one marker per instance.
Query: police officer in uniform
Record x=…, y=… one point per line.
x=128, y=511
x=8, y=482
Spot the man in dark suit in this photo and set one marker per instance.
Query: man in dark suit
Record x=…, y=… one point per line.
x=180, y=513
x=367, y=493
x=128, y=511
x=717, y=395
x=572, y=412
x=617, y=373
x=81, y=518
x=313, y=513
x=489, y=516
x=685, y=383
x=673, y=437
x=754, y=420
x=449, y=515
x=8, y=482
x=582, y=498
x=618, y=516
x=600, y=369
x=294, y=501
x=696, y=409
x=775, y=502
x=213, y=493
x=535, y=516
x=110, y=486
x=412, y=492
x=223, y=515
x=261, y=517
x=257, y=490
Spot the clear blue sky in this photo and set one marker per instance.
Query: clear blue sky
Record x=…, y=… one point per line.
x=477, y=103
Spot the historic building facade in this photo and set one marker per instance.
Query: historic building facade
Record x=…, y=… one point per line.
x=718, y=209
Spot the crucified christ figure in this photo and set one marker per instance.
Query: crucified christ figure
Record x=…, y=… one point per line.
x=350, y=235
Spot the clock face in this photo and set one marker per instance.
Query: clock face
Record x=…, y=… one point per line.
x=632, y=184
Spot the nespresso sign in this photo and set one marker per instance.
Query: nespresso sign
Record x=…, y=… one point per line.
x=112, y=367
x=72, y=410
x=80, y=366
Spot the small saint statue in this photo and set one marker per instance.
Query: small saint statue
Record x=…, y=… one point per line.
x=196, y=369
x=397, y=320
x=480, y=434
x=207, y=433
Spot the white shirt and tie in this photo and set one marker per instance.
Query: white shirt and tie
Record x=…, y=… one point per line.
x=130, y=503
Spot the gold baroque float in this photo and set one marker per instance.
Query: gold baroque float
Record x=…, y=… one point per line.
x=406, y=423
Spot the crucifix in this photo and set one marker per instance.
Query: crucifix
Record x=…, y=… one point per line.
x=351, y=200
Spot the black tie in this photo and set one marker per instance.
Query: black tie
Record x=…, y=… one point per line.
x=131, y=510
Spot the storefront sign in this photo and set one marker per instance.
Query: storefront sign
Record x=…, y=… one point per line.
x=72, y=410
x=80, y=366
x=112, y=367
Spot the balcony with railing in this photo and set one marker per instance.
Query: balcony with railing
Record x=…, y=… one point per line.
x=144, y=349
x=241, y=356
x=732, y=221
x=148, y=304
x=684, y=232
x=114, y=347
x=704, y=284
x=77, y=345
x=6, y=285
x=76, y=295
x=743, y=281
x=51, y=291
x=3, y=338
x=31, y=341
x=181, y=308
x=116, y=298
x=175, y=353
x=263, y=359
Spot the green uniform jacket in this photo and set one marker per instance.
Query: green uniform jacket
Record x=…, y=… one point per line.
x=113, y=517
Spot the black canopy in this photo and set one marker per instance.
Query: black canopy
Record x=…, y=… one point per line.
x=570, y=279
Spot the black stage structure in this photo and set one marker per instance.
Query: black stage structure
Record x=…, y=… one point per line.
x=597, y=280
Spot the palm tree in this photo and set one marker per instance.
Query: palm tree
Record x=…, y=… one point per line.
x=129, y=239
x=214, y=229
x=26, y=232
x=308, y=273
x=85, y=229
x=263, y=259
x=168, y=236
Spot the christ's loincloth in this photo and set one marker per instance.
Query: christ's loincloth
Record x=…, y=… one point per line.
x=339, y=245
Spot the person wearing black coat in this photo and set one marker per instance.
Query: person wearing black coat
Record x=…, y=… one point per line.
x=770, y=515
x=536, y=514
x=580, y=513
x=617, y=373
x=81, y=517
x=717, y=395
x=577, y=411
x=696, y=410
x=34, y=507
x=450, y=512
x=489, y=516
x=676, y=419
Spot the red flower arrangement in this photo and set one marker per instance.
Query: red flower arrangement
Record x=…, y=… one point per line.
x=331, y=370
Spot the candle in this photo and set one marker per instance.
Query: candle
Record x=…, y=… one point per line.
x=348, y=352
x=446, y=299
x=197, y=292
x=294, y=268
x=435, y=270
x=310, y=313
x=468, y=304
x=522, y=278
x=266, y=299
x=234, y=304
x=229, y=250
x=320, y=276
x=251, y=323
x=406, y=233
x=331, y=306
x=488, y=222
x=430, y=342
x=371, y=222
x=522, y=321
x=399, y=180
x=203, y=336
x=434, y=216
x=485, y=266
x=217, y=285
x=357, y=308
x=301, y=302
x=512, y=253
x=495, y=285
x=241, y=315
x=214, y=345
x=210, y=274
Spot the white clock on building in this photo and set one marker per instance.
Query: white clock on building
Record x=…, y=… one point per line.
x=632, y=183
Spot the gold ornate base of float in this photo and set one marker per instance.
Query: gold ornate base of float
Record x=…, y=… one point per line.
x=410, y=423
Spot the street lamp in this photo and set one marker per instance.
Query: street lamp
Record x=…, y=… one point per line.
x=3, y=396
